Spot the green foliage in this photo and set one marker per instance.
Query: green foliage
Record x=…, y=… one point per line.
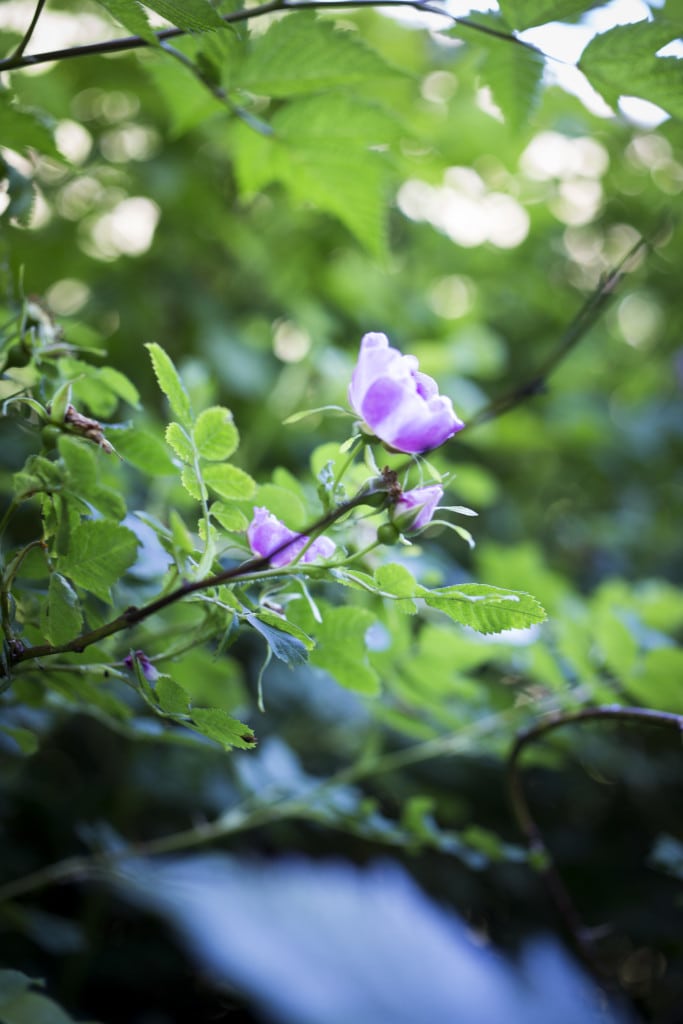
x=98, y=554
x=521, y=14
x=623, y=62
x=257, y=196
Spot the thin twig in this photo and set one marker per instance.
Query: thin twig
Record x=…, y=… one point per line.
x=541, y=856
x=574, y=333
x=19, y=60
x=18, y=53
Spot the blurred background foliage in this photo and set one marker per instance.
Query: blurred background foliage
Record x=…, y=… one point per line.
x=444, y=198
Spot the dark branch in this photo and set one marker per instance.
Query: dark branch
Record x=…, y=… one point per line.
x=19, y=60
x=540, y=854
x=580, y=326
x=18, y=53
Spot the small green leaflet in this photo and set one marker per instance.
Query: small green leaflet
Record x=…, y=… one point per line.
x=287, y=642
x=484, y=608
x=215, y=434
x=521, y=14
x=229, y=481
x=229, y=517
x=179, y=441
x=61, y=615
x=120, y=385
x=623, y=62
x=171, y=384
x=99, y=554
x=218, y=725
x=23, y=129
x=173, y=699
x=341, y=648
x=142, y=449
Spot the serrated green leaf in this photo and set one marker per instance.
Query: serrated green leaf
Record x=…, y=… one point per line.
x=396, y=579
x=130, y=14
x=24, y=129
x=182, y=538
x=191, y=15
x=486, y=609
x=282, y=642
x=622, y=62
x=27, y=742
x=229, y=481
x=80, y=461
x=341, y=648
x=173, y=699
x=513, y=74
x=218, y=725
x=62, y=617
x=229, y=517
x=326, y=151
x=192, y=484
x=215, y=434
x=305, y=54
x=22, y=194
x=120, y=385
x=179, y=441
x=656, y=682
x=144, y=450
x=99, y=554
x=521, y=14
x=170, y=383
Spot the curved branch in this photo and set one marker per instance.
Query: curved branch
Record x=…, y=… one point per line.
x=19, y=60
x=540, y=855
x=580, y=326
x=19, y=52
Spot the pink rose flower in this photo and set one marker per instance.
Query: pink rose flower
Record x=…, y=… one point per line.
x=423, y=500
x=266, y=534
x=146, y=667
x=399, y=404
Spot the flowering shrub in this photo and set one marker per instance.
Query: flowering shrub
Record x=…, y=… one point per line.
x=397, y=403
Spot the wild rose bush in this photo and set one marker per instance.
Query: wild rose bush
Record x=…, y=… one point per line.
x=241, y=563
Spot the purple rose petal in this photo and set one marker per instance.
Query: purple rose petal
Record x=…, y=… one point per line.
x=399, y=404
x=424, y=500
x=266, y=534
